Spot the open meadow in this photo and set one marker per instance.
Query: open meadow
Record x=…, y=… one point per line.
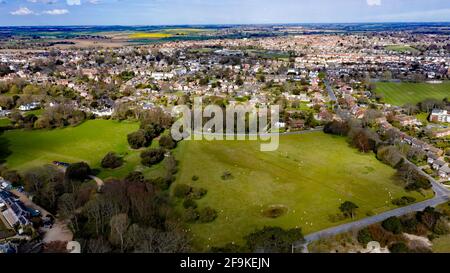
x=308, y=177
x=403, y=93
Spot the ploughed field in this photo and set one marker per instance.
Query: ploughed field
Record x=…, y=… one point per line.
x=304, y=183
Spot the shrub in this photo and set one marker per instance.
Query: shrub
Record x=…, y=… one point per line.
x=441, y=227
x=152, y=157
x=139, y=139
x=273, y=240
x=182, y=190
x=112, y=161
x=410, y=225
x=161, y=183
x=198, y=193
x=189, y=203
x=78, y=171
x=399, y=248
x=393, y=224
x=227, y=175
x=207, y=215
x=195, y=178
x=403, y=201
x=364, y=236
x=167, y=142
x=190, y=215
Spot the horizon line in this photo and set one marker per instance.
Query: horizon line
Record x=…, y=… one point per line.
x=232, y=24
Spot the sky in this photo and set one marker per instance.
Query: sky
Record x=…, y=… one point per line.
x=178, y=12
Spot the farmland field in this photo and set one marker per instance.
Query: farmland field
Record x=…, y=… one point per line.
x=144, y=35
x=403, y=93
x=309, y=176
x=402, y=48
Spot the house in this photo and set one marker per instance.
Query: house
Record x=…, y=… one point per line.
x=432, y=157
x=438, y=164
x=438, y=115
x=406, y=120
x=14, y=212
x=441, y=132
x=444, y=172
x=29, y=107
x=296, y=124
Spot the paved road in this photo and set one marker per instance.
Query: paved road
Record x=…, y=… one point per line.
x=330, y=91
x=442, y=195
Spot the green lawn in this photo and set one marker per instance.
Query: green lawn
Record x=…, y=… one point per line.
x=88, y=142
x=5, y=122
x=310, y=175
x=402, y=48
x=442, y=244
x=403, y=93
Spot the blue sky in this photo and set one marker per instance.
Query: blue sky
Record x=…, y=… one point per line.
x=162, y=12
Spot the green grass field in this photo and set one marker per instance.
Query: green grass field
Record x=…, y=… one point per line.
x=402, y=48
x=403, y=93
x=5, y=122
x=88, y=142
x=310, y=175
x=442, y=244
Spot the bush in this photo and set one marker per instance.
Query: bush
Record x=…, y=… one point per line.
x=112, y=161
x=273, y=240
x=399, y=248
x=12, y=176
x=152, y=157
x=182, y=190
x=441, y=227
x=410, y=225
x=167, y=142
x=190, y=215
x=195, y=178
x=198, y=193
x=393, y=224
x=403, y=201
x=78, y=171
x=139, y=139
x=189, y=203
x=207, y=215
x=364, y=236
x=161, y=183
x=227, y=175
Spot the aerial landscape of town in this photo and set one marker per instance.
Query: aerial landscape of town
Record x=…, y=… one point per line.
x=113, y=138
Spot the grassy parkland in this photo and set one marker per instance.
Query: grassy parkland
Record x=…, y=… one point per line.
x=413, y=93
x=304, y=183
x=300, y=185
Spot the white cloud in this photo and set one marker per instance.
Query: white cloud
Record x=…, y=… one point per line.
x=374, y=2
x=56, y=12
x=73, y=2
x=22, y=11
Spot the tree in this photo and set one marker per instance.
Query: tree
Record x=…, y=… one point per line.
x=399, y=248
x=348, y=209
x=207, y=215
x=152, y=157
x=112, y=161
x=119, y=225
x=167, y=142
x=390, y=155
x=273, y=240
x=364, y=236
x=139, y=139
x=393, y=224
x=78, y=171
